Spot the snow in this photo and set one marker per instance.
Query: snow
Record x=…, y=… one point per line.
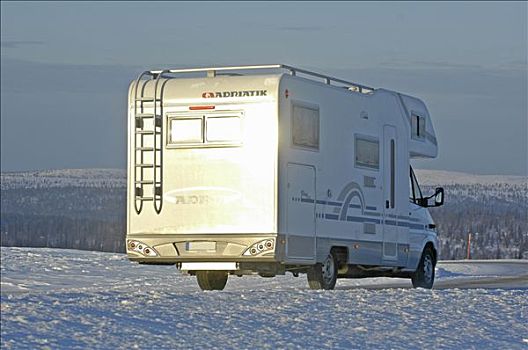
x=68, y=299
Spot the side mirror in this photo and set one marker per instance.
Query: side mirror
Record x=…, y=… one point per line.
x=439, y=196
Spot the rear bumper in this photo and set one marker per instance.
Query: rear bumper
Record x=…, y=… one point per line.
x=178, y=248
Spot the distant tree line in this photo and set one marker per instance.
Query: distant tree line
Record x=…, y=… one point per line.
x=93, y=218
x=496, y=217
x=88, y=218
x=27, y=230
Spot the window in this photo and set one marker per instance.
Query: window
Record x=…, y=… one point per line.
x=204, y=130
x=186, y=130
x=305, y=126
x=392, y=173
x=224, y=129
x=416, y=193
x=367, y=152
x=418, y=127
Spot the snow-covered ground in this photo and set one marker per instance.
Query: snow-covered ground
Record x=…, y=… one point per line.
x=71, y=299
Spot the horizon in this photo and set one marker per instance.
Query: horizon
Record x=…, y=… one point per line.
x=467, y=62
x=125, y=169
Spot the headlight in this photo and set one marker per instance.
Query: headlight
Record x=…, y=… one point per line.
x=260, y=247
x=141, y=248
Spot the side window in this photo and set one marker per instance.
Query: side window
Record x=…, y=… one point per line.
x=367, y=152
x=417, y=127
x=305, y=126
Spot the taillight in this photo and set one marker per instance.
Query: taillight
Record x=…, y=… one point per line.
x=141, y=248
x=260, y=247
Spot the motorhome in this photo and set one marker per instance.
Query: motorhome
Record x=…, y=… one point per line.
x=272, y=169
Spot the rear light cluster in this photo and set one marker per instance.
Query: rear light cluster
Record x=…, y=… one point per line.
x=260, y=247
x=141, y=248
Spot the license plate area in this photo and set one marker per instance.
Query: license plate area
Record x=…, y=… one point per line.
x=200, y=246
x=209, y=266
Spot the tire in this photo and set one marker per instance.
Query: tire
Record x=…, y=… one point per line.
x=323, y=276
x=211, y=280
x=424, y=275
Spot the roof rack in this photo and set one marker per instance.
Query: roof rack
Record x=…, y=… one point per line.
x=212, y=72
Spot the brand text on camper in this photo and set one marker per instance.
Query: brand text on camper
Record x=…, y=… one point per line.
x=242, y=93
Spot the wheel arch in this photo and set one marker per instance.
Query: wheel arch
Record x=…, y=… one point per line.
x=430, y=245
x=341, y=253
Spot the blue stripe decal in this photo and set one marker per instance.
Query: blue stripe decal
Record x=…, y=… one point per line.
x=362, y=219
x=416, y=227
x=405, y=223
x=374, y=221
x=354, y=218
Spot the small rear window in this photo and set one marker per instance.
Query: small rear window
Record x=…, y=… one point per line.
x=186, y=130
x=205, y=130
x=224, y=129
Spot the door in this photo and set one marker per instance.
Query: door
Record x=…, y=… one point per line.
x=301, y=212
x=390, y=228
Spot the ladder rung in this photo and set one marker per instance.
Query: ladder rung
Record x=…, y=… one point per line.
x=144, y=198
x=145, y=132
x=147, y=182
x=146, y=99
x=148, y=165
x=145, y=115
x=144, y=149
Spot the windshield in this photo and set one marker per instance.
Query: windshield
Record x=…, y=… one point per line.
x=415, y=192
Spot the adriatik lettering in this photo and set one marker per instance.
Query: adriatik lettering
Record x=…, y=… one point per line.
x=242, y=93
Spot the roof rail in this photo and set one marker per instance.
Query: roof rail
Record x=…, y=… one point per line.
x=212, y=71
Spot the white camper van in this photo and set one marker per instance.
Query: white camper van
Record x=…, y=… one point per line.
x=268, y=169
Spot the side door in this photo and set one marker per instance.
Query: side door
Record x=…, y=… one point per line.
x=390, y=222
x=301, y=212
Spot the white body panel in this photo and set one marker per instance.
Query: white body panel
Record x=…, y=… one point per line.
x=310, y=198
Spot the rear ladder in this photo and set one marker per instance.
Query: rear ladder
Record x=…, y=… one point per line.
x=148, y=139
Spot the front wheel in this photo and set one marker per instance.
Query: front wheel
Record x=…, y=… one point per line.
x=424, y=275
x=211, y=280
x=323, y=276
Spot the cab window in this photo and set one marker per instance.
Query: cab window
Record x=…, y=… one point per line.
x=415, y=191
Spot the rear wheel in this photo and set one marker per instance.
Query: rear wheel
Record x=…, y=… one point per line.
x=211, y=280
x=323, y=276
x=424, y=275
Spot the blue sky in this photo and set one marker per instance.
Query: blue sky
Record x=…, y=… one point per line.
x=65, y=68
